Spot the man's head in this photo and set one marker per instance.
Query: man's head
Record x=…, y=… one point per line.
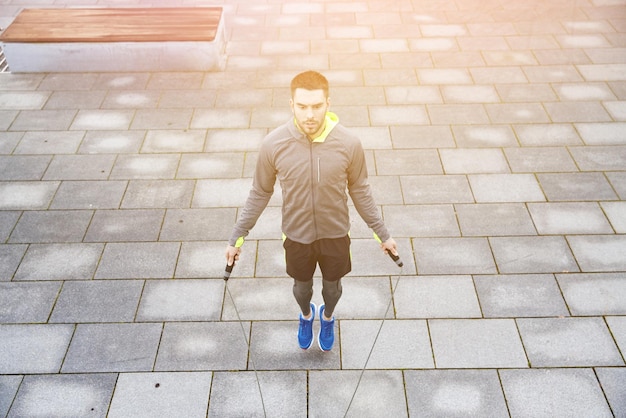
x=309, y=102
x=309, y=80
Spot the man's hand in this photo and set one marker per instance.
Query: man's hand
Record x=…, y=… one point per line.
x=389, y=246
x=232, y=254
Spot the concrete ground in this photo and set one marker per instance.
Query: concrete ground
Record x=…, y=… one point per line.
x=495, y=133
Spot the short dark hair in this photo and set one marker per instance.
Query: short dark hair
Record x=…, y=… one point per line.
x=309, y=80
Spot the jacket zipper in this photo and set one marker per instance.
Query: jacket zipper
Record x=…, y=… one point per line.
x=313, y=193
x=319, y=172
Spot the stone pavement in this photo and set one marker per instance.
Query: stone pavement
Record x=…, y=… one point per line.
x=495, y=133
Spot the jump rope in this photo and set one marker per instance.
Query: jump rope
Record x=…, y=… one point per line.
x=227, y=272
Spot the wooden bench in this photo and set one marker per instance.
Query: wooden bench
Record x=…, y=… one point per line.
x=115, y=40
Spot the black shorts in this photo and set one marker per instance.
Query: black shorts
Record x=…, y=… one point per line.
x=332, y=255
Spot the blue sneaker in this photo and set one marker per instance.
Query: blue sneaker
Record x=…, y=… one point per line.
x=305, y=330
x=326, y=339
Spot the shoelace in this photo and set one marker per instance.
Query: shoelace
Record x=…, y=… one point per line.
x=305, y=324
x=327, y=328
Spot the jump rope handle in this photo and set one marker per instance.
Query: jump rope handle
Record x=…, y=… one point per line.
x=228, y=270
x=396, y=259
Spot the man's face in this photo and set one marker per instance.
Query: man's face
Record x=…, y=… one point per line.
x=309, y=108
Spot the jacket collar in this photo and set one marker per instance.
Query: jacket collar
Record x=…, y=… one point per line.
x=331, y=121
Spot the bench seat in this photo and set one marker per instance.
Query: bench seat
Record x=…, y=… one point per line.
x=115, y=39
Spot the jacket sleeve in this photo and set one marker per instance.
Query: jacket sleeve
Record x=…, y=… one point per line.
x=259, y=196
x=361, y=193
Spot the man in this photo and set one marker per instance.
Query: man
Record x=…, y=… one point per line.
x=315, y=159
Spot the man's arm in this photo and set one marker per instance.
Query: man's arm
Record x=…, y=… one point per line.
x=361, y=194
x=259, y=197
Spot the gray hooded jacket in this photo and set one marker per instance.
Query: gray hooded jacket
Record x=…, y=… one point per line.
x=314, y=177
